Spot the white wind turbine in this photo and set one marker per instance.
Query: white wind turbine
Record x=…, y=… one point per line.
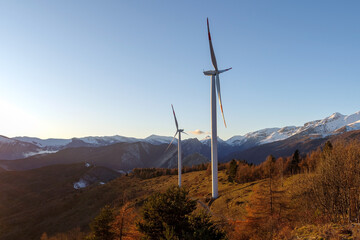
x=179, y=145
x=215, y=83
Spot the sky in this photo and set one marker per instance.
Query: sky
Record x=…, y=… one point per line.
x=101, y=68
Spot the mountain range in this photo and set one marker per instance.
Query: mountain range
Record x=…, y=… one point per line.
x=125, y=153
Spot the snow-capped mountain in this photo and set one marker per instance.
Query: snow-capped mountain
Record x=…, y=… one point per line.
x=157, y=140
x=103, y=141
x=56, y=144
x=4, y=139
x=334, y=124
x=50, y=143
x=262, y=136
x=15, y=149
x=207, y=141
x=331, y=124
x=20, y=147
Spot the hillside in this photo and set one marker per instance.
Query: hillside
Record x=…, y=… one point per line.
x=120, y=156
x=44, y=200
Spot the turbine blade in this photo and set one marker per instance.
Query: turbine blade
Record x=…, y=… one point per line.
x=225, y=70
x=176, y=123
x=185, y=133
x=171, y=142
x=219, y=95
x=213, y=58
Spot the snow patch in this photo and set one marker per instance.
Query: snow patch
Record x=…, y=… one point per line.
x=157, y=140
x=51, y=142
x=236, y=140
x=80, y=184
x=207, y=140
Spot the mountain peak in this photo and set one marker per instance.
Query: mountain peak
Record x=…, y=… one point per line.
x=336, y=115
x=156, y=139
x=206, y=138
x=5, y=139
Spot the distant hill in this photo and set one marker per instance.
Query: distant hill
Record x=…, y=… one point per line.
x=120, y=157
x=126, y=156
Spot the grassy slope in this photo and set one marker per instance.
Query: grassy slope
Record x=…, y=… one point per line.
x=43, y=200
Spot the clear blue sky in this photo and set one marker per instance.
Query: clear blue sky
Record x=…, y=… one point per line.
x=80, y=68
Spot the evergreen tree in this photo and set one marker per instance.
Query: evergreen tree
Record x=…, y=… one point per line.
x=294, y=165
x=327, y=147
x=167, y=209
x=169, y=216
x=101, y=225
x=232, y=170
x=203, y=228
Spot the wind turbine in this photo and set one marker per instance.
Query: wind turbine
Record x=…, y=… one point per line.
x=215, y=83
x=178, y=131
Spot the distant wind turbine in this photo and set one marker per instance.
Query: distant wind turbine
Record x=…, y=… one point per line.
x=215, y=83
x=179, y=145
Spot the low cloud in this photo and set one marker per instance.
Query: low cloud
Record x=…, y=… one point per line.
x=198, y=132
x=29, y=154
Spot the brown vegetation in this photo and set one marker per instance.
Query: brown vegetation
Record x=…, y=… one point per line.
x=298, y=197
x=325, y=191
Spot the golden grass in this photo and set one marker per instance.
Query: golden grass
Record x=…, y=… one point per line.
x=43, y=200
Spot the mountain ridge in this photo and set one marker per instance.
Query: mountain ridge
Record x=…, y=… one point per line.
x=137, y=152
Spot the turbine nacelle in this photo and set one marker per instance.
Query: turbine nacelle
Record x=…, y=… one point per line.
x=210, y=72
x=214, y=72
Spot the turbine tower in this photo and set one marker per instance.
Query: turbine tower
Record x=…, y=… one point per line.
x=215, y=86
x=179, y=144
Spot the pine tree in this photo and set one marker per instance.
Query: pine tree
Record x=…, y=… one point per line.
x=327, y=147
x=232, y=170
x=171, y=208
x=169, y=216
x=203, y=228
x=294, y=165
x=101, y=225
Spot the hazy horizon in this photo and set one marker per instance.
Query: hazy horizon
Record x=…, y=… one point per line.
x=85, y=68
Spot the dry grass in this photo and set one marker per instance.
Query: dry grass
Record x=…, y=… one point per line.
x=43, y=200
